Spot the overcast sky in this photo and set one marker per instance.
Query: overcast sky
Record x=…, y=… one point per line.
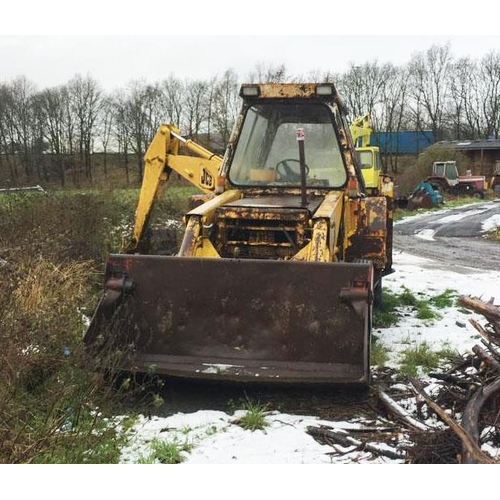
x=115, y=60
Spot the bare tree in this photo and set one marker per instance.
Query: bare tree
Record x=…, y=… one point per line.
x=212, y=87
x=121, y=129
x=226, y=104
x=490, y=77
x=173, y=96
x=21, y=118
x=461, y=75
x=361, y=88
x=393, y=113
x=53, y=109
x=7, y=141
x=268, y=73
x=142, y=116
x=196, y=109
x=455, y=98
x=430, y=85
x=106, y=121
x=86, y=101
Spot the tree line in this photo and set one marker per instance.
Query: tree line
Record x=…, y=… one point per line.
x=52, y=133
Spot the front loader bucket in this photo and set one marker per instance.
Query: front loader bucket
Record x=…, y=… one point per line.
x=241, y=320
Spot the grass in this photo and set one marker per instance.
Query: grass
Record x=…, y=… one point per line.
x=415, y=359
x=53, y=402
x=254, y=418
x=425, y=311
x=419, y=358
x=446, y=299
x=494, y=234
x=85, y=437
x=447, y=352
x=422, y=359
x=387, y=314
x=379, y=355
x=55, y=406
x=166, y=452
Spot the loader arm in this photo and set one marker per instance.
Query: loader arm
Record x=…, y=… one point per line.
x=161, y=158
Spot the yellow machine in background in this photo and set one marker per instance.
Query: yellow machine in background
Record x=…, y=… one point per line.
x=369, y=156
x=276, y=275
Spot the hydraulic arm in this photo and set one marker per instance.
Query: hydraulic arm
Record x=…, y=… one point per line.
x=162, y=157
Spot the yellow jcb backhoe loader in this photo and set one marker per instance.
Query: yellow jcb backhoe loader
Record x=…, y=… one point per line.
x=277, y=271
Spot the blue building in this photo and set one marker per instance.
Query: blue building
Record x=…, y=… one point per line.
x=402, y=143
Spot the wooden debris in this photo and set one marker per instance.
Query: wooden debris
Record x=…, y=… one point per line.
x=470, y=388
x=435, y=447
x=454, y=380
x=470, y=419
x=493, y=350
x=485, y=358
x=328, y=435
x=484, y=333
x=472, y=451
x=490, y=311
x=400, y=413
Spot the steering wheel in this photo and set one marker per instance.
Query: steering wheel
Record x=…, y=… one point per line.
x=288, y=173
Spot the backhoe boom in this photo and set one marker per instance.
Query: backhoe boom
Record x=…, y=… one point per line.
x=161, y=158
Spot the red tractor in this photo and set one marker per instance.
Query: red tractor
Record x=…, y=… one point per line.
x=445, y=179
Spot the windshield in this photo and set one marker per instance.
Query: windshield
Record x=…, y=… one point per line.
x=267, y=152
x=365, y=159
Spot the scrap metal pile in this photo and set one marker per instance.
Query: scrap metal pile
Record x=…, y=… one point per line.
x=452, y=416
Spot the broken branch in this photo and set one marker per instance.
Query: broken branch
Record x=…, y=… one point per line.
x=470, y=417
x=471, y=448
x=401, y=413
x=327, y=434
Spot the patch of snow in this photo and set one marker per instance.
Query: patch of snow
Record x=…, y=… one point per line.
x=491, y=224
x=426, y=234
x=217, y=439
x=485, y=206
x=460, y=216
x=218, y=367
x=411, y=272
x=420, y=214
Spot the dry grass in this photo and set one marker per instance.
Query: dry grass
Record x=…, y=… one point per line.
x=52, y=252
x=52, y=248
x=45, y=387
x=494, y=234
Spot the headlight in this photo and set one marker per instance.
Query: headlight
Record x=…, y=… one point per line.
x=249, y=91
x=324, y=90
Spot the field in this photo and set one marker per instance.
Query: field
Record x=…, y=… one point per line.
x=52, y=253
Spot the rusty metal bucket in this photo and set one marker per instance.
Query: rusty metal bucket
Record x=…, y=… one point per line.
x=241, y=320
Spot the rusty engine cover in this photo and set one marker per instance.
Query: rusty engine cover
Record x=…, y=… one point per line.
x=243, y=320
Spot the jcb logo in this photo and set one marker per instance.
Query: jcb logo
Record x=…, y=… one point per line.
x=207, y=179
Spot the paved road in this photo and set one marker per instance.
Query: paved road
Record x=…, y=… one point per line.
x=453, y=237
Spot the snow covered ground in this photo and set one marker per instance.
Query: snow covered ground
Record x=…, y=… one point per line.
x=216, y=439
x=429, y=278
x=213, y=437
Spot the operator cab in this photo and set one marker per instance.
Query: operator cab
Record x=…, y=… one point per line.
x=267, y=153
x=446, y=169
